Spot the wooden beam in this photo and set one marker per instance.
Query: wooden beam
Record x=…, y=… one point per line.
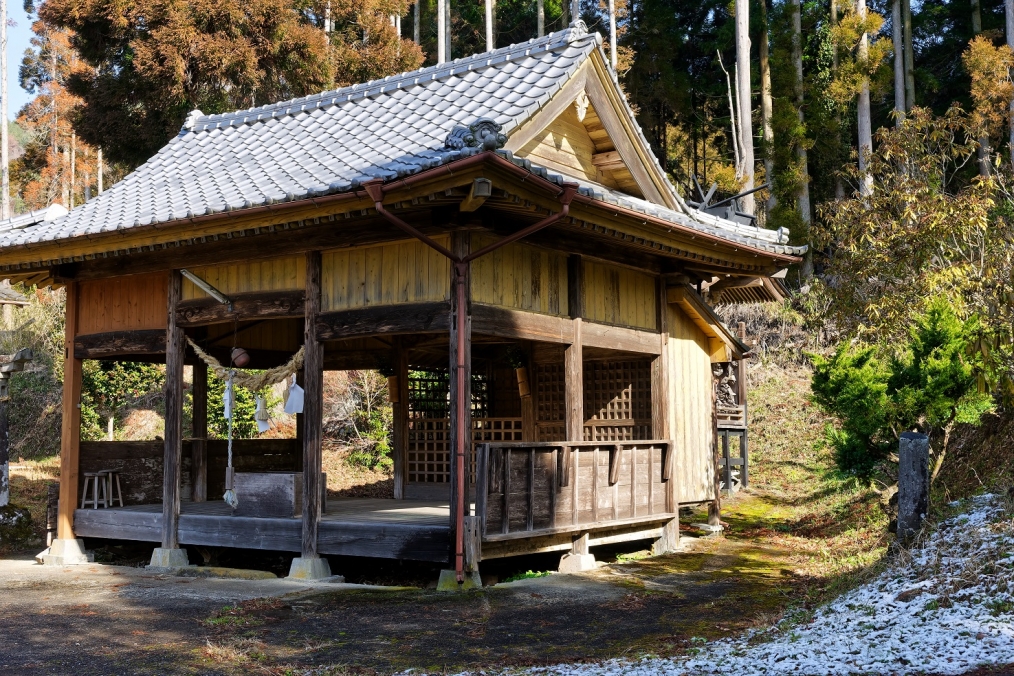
x=619, y=338
x=246, y=306
x=199, y=446
x=490, y=320
x=313, y=408
x=481, y=190
x=383, y=319
x=175, y=348
x=70, y=433
x=608, y=161
x=722, y=345
x=120, y=344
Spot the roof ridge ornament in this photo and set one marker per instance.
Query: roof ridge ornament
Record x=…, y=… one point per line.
x=192, y=117
x=483, y=134
x=578, y=29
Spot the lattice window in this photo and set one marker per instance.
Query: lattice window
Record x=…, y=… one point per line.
x=617, y=400
x=429, y=445
x=429, y=442
x=428, y=394
x=549, y=393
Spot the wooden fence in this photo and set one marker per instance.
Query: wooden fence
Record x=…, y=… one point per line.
x=528, y=489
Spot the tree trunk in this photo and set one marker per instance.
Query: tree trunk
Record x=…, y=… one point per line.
x=5, y=176
x=766, y=111
x=490, y=40
x=982, y=152
x=743, y=91
x=899, y=62
x=540, y=11
x=110, y=432
x=906, y=20
x=1009, y=12
x=612, y=34
x=737, y=155
x=441, y=31
x=416, y=29
x=803, y=190
x=863, y=111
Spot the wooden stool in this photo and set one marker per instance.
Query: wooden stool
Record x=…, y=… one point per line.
x=114, y=492
x=97, y=480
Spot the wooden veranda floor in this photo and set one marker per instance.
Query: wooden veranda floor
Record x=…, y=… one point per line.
x=415, y=530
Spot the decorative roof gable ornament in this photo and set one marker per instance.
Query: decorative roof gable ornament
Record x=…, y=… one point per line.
x=578, y=29
x=192, y=117
x=581, y=104
x=483, y=134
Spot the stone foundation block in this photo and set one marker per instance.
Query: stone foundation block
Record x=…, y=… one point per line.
x=576, y=563
x=169, y=558
x=449, y=581
x=65, y=553
x=309, y=569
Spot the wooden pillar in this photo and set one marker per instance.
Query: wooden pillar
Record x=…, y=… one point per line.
x=199, y=444
x=459, y=247
x=70, y=434
x=399, y=432
x=175, y=346
x=573, y=357
x=313, y=406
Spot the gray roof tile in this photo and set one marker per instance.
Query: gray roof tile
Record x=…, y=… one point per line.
x=331, y=141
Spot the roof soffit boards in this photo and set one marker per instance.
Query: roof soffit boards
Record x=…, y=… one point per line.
x=593, y=82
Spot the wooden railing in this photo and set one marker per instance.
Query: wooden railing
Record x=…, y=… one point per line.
x=527, y=489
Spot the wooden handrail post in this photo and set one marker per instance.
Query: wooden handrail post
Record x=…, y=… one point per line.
x=199, y=447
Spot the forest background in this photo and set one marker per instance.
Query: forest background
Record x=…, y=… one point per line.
x=883, y=133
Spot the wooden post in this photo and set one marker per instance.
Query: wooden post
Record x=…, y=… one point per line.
x=313, y=405
x=199, y=445
x=573, y=356
x=741, y=385
x=715, y=508
x=175, y=346
x=660, y=371
x=399, y=432
x=70, y=434
x=460, y=392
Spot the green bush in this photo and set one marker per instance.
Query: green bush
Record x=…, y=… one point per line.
x=876, y=392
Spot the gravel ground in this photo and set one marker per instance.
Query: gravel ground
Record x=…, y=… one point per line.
x=946, y=608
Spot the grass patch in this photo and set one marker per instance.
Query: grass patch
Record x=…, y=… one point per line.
x=528, y=575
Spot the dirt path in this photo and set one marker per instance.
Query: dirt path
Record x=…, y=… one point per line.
x=105, y=619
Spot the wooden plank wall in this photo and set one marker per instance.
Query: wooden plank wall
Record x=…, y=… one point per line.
x=520, y=277
x=123, y=303
x=619, y=296
x=565, y=145
x=272, y=274
x=387, y=274
x=140, y=464
x=690, y=396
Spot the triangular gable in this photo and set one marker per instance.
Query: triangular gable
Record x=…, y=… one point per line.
x=587, y=131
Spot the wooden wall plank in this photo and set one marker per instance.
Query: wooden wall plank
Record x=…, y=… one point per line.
x=620, y=296
x=520, y=277
x=122, y=303
x=690, y=406
x=270, y=274
x=392, y=273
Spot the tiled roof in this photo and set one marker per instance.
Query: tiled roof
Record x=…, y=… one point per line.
x=332, y=142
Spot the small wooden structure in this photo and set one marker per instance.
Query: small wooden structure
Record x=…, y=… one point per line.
x=494, y=232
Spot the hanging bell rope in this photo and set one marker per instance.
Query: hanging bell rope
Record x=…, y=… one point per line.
x=228, y=399
x=251, y=381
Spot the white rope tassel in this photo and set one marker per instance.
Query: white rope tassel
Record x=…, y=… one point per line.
x=227, y=403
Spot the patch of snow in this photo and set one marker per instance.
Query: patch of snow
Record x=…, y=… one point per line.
x=947, y=610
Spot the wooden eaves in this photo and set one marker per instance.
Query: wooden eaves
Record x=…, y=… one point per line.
x=723, y=344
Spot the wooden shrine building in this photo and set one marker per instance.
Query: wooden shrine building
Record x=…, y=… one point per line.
x=492, y=232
